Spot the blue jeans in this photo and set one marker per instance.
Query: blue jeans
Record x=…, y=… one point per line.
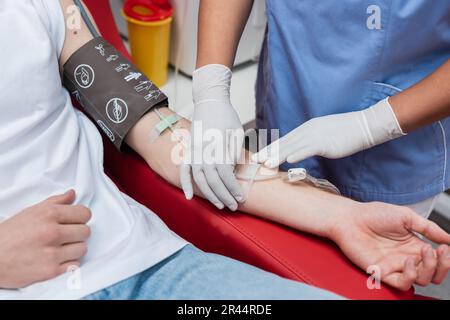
x=193, y=274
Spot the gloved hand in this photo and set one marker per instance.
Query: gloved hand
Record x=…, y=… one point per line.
x=334, y=136
x=214, y=117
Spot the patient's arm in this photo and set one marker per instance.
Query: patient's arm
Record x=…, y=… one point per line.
x=369, y=234
x=283, y=197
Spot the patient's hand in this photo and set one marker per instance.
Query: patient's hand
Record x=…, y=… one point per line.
x=42, y=241
x=381, y=235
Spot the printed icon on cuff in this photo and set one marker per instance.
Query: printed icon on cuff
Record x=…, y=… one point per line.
x=117, y=110
x=123, y=67
x=143, y=86
x=106, y=130
x=152, y=95
x=84, y=76
x=101, y=49
x=112, y=57
x=77, y=96
x=133, y=76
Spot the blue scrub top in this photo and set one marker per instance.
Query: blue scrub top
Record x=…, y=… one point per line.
x=326, y=57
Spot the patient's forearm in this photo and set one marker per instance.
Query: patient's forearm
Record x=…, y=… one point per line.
x=299, y=206
x=370, y=234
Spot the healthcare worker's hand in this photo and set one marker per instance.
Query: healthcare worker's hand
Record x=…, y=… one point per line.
x=214, y=118
x=380, y=237
x=334, y=136
x=43, y=241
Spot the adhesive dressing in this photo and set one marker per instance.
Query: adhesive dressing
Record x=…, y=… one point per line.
x=167, y=123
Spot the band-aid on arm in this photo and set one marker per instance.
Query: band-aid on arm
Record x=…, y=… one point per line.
x=254, y=172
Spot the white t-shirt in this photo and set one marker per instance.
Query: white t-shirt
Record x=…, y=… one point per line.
x=48, y=147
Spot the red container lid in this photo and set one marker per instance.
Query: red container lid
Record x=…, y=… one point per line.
x=148, y=10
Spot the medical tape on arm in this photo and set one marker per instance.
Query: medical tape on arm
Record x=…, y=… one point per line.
x=167, y=123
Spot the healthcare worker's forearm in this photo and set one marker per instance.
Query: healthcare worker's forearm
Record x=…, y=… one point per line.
x=299, y=206
x=424, y=103
x=221, y=24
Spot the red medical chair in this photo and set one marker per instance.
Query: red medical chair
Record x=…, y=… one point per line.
x=267, y=245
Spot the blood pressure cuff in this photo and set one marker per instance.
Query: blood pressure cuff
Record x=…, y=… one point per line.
x=110, y=88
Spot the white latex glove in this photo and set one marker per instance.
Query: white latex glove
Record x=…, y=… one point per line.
x=213, y=110
x=334, y=136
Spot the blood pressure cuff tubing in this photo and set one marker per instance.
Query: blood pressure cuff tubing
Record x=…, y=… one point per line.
x=110, y=88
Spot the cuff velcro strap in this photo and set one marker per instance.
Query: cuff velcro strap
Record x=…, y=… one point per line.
x=110, y=88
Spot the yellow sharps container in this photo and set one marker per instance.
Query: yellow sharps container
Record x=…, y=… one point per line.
x=149, y=36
